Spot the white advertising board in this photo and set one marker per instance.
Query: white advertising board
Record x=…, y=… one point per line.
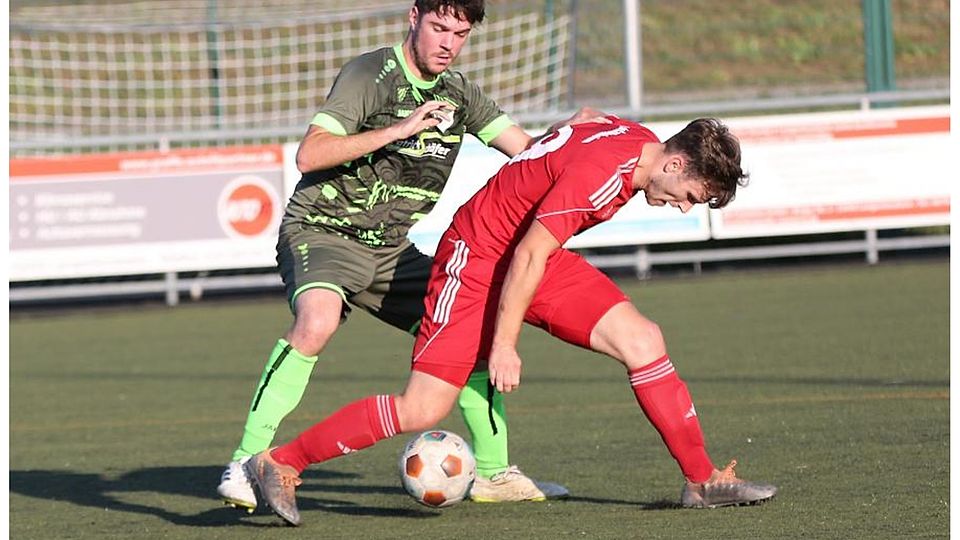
x=844, y=171
x=209, y=209
x=144, y=212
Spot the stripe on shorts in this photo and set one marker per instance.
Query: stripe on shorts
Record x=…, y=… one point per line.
x=441, y=313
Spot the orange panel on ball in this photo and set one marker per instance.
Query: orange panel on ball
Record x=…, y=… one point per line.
x=452, y=466
x=434, y=498
x=414, y=466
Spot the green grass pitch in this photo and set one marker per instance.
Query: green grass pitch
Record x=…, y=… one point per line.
x=831, y=382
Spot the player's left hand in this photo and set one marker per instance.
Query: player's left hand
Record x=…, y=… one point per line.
x=504, y=365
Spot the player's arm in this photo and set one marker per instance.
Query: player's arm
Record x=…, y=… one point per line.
x=523, y=277
x=321, y=149
x=514, y=140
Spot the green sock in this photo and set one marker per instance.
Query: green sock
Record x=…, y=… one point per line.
x=281, y=386
x=490, y=449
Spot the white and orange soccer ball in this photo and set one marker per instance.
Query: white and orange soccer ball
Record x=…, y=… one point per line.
x=437, y=468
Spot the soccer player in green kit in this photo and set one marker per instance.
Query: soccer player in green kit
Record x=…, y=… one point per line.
x=374, y=161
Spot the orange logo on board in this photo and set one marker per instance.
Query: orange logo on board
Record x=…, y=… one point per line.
x=248, y=207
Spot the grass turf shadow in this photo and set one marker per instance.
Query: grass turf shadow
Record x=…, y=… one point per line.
x=653, y=505
x=100, y=491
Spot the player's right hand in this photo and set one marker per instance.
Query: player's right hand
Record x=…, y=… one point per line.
x=504, y=366
x=420, y=119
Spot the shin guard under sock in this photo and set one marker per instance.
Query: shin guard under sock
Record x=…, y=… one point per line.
x=487, y=423
x=281, y=386
x=352, y=428
x=666, y=403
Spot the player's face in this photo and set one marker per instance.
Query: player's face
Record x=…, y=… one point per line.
x=676, y=190
x=436, y=40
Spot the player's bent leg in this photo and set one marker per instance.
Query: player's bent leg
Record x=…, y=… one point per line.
x=497, y=480
x=354, y=427
x=281, y=386
x=635, y=341
x=629, y=337
x=317, y=315
x=425, y=401
x=484, y=415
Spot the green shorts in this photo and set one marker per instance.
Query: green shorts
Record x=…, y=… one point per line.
x=389, y=283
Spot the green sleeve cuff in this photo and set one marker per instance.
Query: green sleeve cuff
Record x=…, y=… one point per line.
x=329, y=123
x=493, y=130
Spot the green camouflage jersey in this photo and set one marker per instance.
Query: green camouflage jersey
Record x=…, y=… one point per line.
x=375, y=199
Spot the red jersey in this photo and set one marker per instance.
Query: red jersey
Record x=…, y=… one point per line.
x=570, y=181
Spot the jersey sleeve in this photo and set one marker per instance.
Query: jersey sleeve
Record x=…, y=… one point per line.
x=579, y=197
x=351, y=99
x=484, y=118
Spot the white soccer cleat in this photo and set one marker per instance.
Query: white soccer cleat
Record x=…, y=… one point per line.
x=512, y=485
x=235, y=487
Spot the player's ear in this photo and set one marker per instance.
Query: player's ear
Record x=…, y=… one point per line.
x=674, y=164
x=414, y=17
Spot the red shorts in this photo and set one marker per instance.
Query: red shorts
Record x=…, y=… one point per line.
x=461, y=307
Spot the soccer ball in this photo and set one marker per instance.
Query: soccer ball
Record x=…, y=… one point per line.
x=437, y=468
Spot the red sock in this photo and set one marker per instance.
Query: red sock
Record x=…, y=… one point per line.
x=354, y=427
x=667, y=404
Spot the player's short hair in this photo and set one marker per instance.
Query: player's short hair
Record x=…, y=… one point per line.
x=713, y=153
x=471, y=11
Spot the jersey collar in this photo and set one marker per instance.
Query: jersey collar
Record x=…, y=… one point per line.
x=417, y=82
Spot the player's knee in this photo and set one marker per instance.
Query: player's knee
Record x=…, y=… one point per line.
x=648, y=337
x=418, y=414
x=312, y=330
x=650, y=334
x=644, y=344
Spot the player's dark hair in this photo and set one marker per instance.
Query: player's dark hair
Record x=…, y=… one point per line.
x=712, y=153
x=471, y=11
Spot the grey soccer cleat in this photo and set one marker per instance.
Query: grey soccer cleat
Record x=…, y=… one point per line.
x=235, y=488
x=725, y=489
x=512, y=485
x=277, y=483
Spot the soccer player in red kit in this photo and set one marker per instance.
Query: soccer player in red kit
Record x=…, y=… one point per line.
x=501, y=263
